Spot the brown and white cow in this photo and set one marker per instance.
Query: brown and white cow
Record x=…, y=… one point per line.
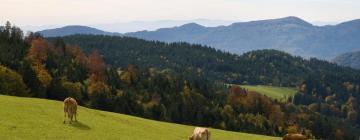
x=294, y=137
x=70, y=109
x=200, y=134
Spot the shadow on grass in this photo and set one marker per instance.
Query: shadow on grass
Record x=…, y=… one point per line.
x=80, y=125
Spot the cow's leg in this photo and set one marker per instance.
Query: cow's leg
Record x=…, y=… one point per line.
x=71, y=118
x=64, y=115
x=75, y=116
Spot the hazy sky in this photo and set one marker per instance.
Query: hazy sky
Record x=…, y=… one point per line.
x=55, y=12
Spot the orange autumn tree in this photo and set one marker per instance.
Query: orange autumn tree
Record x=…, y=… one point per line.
x=276, y=115
x=37, y=55
x=236, y=95
x=97, y=69
x=96, y=65
x=38, y=51
x=76, y=53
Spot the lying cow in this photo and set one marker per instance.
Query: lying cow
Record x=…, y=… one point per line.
x=294, y=137
x=70, y=108
x=200, y=134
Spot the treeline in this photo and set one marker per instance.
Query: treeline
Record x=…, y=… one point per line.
x=266, y=67
x=156, y=87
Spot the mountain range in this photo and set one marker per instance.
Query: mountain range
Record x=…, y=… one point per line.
x=124, y=27
x=134, y=26
x=289, y=34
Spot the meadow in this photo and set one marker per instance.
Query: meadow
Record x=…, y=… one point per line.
x=271, y=91
x=33, y=119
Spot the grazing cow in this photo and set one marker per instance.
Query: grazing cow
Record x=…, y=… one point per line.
x=294, y=137
x=70, y=108
x=200, y=134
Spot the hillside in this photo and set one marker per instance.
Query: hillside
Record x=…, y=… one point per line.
x=74, y=29
x=262, y=67
x=290, y=34
x=351, y=59
x=33, y=118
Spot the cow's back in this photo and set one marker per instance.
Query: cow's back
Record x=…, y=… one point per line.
x=66, y=104
x=73, y=105
x=70, y=105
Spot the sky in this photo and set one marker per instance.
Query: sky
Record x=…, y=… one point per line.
x=86, y=12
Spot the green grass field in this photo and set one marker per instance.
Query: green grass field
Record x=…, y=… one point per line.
x=271, y=91
x=31, y=118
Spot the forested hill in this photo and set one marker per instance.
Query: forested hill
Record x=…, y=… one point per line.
x=268, y=67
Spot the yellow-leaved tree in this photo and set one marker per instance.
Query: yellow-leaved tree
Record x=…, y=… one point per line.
x=11, y=83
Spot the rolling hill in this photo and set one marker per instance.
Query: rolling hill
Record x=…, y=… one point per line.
x=74, y=29
x=31, y=118
x=351, y=59
x=289, y=34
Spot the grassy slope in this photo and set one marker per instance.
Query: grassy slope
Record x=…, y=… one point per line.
x=270, y=91
x=30, y=118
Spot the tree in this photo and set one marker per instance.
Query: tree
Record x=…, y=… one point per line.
x=236, y=93
x=98, y=87
x=11, y=83
x=38, y=51
x=339, y=134
x=276, y=115
x=73, y=89
x=80, y=58
x=96, y=65
x=43, y=75
x=292, y=129
x=38, y=54
x=352, y=116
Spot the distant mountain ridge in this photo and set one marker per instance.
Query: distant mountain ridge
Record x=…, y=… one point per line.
x=139, y=25
x=289, y=34
x=135, y=26
x=351, y=59
x=74, y=29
